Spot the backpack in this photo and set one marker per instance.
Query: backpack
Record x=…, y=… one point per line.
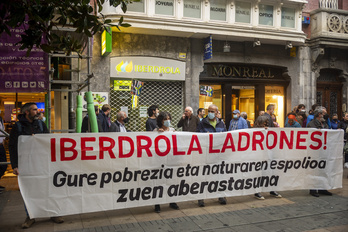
x=20, y=127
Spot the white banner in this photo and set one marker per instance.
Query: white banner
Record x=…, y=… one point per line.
x=63, y=174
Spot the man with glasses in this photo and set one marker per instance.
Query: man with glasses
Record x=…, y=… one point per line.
x=212, y=124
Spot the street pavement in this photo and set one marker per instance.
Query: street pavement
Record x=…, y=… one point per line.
x=296, y=211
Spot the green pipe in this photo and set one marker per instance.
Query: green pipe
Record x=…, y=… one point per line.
x=91, y=113
x=78, y=113
x=46, y=110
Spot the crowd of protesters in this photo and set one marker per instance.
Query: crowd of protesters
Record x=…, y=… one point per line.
x=317, y=117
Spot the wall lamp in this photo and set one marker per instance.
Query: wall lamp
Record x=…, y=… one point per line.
x=288, y=45
x=256, y=43
x=227, y=47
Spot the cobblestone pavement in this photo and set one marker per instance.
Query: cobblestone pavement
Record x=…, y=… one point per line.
x=296, y=211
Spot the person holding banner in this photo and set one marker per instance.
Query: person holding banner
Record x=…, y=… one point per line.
x=263, y=121
x=164, y=125
x=28, y=124
x=212, y=124
x=319, y=123
x=344, y=126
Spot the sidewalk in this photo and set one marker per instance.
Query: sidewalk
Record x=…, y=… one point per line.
x=296, y=211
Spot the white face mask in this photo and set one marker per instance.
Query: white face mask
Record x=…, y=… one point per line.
x=157, y=114
x=44, y=119
x=166, y=123
x=211, y=116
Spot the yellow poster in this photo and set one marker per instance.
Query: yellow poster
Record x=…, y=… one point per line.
x=122, y=85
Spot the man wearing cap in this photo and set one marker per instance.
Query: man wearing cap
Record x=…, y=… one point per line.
x=237, y=122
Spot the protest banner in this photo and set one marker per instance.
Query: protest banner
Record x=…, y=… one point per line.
x=63, y=174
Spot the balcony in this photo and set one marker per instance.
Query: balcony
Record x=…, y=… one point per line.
x=271, y=22
x=329, y=27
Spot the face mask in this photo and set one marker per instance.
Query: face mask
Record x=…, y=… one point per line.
x=211, y=116
x=235, y=116
x=166, y=123
x=245, y=117
x=44, y=119
x=326, y=116
x=200, y=119
x=303, y=110
x=126, y=120
x=157, y=114
x=335, y=120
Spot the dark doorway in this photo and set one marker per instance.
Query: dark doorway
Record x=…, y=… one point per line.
x=329, y=91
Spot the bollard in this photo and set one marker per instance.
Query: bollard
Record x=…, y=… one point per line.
x=91, y=113
x=78, y=114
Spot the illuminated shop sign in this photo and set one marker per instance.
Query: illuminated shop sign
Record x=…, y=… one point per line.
x=147, y=68
x=242, y=71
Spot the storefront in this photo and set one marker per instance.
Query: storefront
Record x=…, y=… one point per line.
x=162, y=84
x=248, y=88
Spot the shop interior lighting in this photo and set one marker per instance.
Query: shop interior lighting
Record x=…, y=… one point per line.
x=257, y=42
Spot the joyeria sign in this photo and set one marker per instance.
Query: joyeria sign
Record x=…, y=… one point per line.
x=147, y=68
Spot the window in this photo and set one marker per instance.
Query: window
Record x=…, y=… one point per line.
x=266, y=15
x=205, y=100
x=218, y=10
x=243, y=12
x=164, y=7
x=288, y=17
x=192, y=8
x=275, y=95
x=136, y=6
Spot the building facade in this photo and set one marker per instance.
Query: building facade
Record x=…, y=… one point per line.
x=250, y=53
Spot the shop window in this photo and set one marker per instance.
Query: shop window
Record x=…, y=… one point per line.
x=275, y=95
x=136, y=6
x=164, y=7
x=243, y=12
x=266, y=15
x=192, y=8
x=205, y=100
x=288, y=17
x=218, y=10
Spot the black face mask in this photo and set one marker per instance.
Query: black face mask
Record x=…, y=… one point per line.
x=326, y=116
x=245, y=117
x=126, y=120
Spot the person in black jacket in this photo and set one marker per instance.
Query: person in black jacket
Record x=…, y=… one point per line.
x=28, y=125
x=86, y=126
x=188, y=121
x=2, y=153
x=104, y=117
x=344, y=126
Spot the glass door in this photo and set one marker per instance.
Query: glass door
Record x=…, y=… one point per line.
x=243, y=99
